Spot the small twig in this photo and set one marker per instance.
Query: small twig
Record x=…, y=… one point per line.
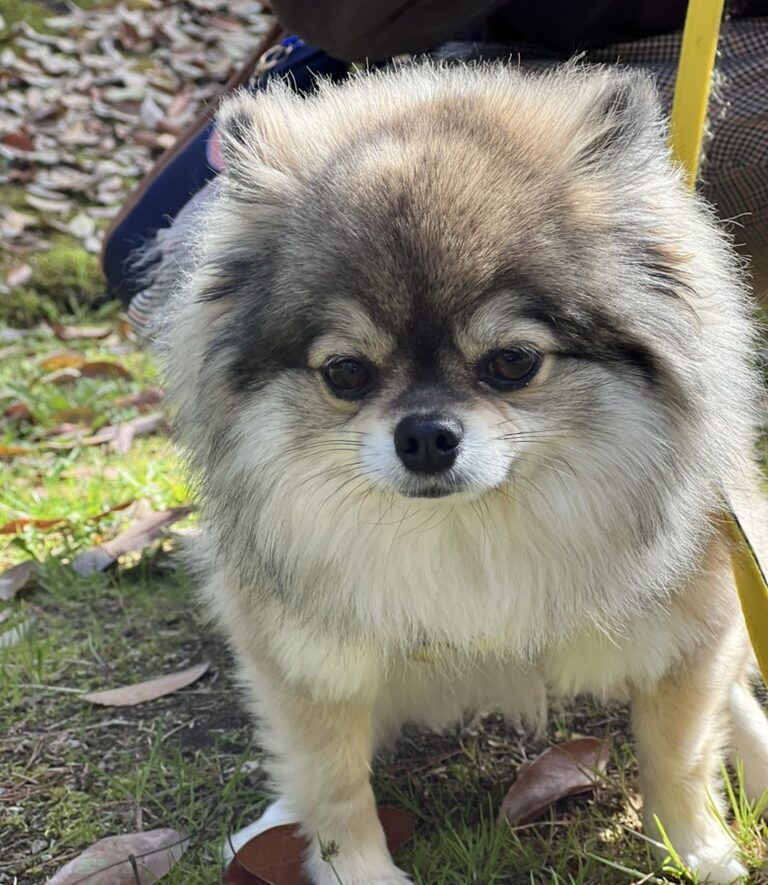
x=107, y=723
x=40, y=687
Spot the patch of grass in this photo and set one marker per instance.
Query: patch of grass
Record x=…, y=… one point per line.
x=34, y=14
x=67, y=272
x=66, y=282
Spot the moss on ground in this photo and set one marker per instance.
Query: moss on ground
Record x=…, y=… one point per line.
x=66, y=280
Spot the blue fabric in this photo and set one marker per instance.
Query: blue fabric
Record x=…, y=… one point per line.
x=190, y=170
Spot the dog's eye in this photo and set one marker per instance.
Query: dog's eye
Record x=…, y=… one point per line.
x=347, y=377
x=511, y=368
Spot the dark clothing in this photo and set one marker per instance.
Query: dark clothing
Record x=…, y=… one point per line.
x=378, y=29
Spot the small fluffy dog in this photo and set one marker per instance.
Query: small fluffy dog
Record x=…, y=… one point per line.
x=464, y=372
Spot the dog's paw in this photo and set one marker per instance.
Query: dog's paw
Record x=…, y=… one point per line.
x=716, y=863
x=355, y=871
x=333, y=877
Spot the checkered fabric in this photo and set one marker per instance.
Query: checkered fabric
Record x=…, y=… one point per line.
x=734, y=169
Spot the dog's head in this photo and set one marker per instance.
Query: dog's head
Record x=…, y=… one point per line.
x=454, y=282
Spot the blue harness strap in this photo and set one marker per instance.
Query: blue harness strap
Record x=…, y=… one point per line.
x=174, y=182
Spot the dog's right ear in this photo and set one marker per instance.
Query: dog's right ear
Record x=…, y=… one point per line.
x=258, y=148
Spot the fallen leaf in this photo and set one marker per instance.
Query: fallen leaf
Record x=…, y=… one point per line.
x=123, y=505
x=16, y=525
x=18, y=275
x=275, y=857
x=123, y=439
x=74, y=415
x=13, y=223
x=14, y=578
x=116, y=435
x=151, y=396
x=72, y=333
x=137, y=537
x=104, y=369
x=18, y=412
x=63, y=359
x=81, y=226
x=146, y=424
x=62, y=376
x=141, y=692
x=14, y=451
x=45, y=204
x=19, y=140
x=563, y=770
x=132, y=859
x=67, y=429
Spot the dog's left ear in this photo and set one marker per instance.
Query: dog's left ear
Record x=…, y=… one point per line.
x=258, y=146
x=623, y=122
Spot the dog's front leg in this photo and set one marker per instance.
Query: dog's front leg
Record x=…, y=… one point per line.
x=680, y=729
x=321, y=755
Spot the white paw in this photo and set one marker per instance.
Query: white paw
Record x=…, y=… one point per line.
x=397, y=879
x=716, y=863
x=355, y=871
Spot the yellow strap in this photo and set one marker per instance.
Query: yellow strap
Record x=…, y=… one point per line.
x=753, y=590
x=694, y=78
x=689, y=116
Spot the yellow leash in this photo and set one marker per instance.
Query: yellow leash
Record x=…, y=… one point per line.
x=694, y=78
x=689, y=117
x=752, y=587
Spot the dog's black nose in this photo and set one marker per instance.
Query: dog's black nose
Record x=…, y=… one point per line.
x=428, y=443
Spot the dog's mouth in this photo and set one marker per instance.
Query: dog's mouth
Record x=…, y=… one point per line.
x=433, y=489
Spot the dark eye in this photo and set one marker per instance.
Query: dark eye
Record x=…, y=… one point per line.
x=511, y=368
x=347, y=377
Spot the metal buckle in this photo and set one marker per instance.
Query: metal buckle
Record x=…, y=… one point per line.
x=273, y=56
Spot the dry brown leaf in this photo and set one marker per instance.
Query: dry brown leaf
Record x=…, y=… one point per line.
x=136, y=538
x=123, y=439
x=13, y=223
x=151, y=396
x=141, y=692
x=146, y=424
x=104, y=369
x=14, y=578
x=563, y=770
x=18, y=275
x=62, y=376
x=117, y=435
x=63, y=359
x=45, y=204
x=131, y=859
x=105, y=435
x=19, y=412
x=73, y=333
x=67, y=429
x=16, y=525
x=123, y=505
x=275, y=857
x=19, y=140
x=75, y=415
x=14, y=451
